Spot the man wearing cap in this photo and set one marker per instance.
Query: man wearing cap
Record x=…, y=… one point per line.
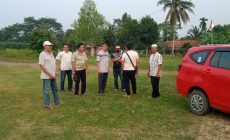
x=79, y=66
x=64, y=64
x=48, y=72
x=154, y=71
x=117, y=71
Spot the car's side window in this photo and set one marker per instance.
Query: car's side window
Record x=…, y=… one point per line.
x=215, y=59
x=221, y=60
x=225, y=60
x=200, y=57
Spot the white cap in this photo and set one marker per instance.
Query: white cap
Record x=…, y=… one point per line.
x=47, y=43
x=154, y=46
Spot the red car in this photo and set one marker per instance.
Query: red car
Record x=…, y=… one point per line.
x=204, y=77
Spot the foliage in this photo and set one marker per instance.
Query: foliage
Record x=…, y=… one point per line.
x=91, y=25
x=195, y=33
x=166, y=30
x=38, y=36
x=185, y=48
x=177, y=10
x=13, y=45
x=22, y=31
x=203, y=24
x=127, y=29
x=219, y=35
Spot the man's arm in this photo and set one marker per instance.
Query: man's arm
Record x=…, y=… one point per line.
x=98, y=67
x=58, y=64
x=86, y=64
x=46, y=71
x=159, y=70
x=137, y=65
x=148, y=72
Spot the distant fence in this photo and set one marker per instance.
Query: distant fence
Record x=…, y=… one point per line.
x=13, y=45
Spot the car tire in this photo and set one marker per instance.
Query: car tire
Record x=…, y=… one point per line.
x=198, y=102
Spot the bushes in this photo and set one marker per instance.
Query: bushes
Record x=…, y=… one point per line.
x=13, y=45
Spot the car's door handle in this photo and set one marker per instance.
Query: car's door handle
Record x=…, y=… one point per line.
x=208, y=71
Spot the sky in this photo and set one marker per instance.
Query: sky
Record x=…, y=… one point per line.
x=66, y=11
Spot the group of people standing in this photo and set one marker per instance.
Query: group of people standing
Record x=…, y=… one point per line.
x=126, y=65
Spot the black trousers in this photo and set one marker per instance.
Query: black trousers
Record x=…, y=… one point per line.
x=130, y=75
x=80, y=76
x=102, y=80
x=155, y=86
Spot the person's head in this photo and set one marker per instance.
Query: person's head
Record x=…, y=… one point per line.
x=154, y=48
x=129, y=46
x=47, y=45
x=80, y=47
x=65, y=48
x=104, y=46
x=117, y=48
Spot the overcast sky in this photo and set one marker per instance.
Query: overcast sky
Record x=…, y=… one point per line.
x=66, y=11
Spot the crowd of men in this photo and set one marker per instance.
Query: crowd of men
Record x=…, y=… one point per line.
x=126, y=65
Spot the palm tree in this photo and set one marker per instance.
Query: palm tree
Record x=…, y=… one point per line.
x=203, y=24
x=177, y=13
x=195, y=33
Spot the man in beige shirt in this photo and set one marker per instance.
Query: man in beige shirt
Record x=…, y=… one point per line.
x=79, y=66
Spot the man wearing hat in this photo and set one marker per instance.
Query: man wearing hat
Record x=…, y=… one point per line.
x=48, y=72
x=117, y=71
x=154, y=71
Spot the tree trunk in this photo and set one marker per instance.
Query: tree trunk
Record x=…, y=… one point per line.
x=173, y=47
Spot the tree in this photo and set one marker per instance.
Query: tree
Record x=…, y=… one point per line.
x=90, y=27
x=185, y=48
x=110, y=36
x=166, y=31
x=127, y=30
x=149, y=32
x=22, y=31
x=203, y=24
x=38, y=36
x=195, y=33
x=177, y=13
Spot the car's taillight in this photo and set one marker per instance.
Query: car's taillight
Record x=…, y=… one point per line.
x=179, y=67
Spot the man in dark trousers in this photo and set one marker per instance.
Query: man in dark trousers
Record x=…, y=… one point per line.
x=102, y=67
x=154, y=71
x=79, y=66
x=130, y=65
x=117, y=71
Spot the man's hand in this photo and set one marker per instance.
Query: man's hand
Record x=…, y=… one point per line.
x=52, y=77
x=148, y=73
x=98, y=71
x=158, y=75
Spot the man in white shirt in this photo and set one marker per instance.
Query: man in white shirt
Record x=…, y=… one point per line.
x=64, y=65
x=154, y=72
x=48, y=73
x=130, y=66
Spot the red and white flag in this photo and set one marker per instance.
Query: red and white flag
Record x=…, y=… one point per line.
x=211, y=26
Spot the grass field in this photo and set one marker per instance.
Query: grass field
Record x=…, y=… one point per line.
x=91, y=117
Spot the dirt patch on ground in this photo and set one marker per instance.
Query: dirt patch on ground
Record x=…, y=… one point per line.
x=214, y=126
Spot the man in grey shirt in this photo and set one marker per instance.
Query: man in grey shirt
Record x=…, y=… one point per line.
x=102, y=67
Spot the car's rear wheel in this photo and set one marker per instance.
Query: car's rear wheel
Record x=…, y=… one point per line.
x=198, y=102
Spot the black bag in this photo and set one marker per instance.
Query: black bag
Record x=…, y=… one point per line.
x=135, y=67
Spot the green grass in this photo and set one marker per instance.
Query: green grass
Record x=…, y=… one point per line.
x=170, y=63
x=18, y=55
x=92, y=117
